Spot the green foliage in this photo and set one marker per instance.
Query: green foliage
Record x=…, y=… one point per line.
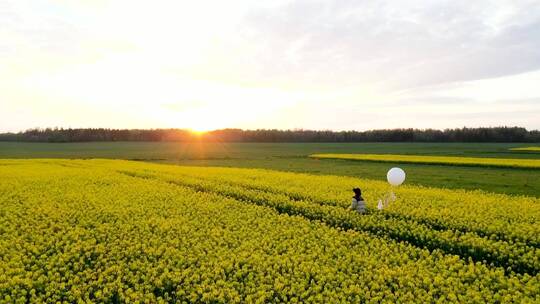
x=492, y=134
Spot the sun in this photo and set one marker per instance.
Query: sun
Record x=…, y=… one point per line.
x=202, y=120
x=202, y=128
x=198, y=132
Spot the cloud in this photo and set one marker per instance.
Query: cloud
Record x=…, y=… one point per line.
x=27, y=28
x=338, y=64
x=396, y=45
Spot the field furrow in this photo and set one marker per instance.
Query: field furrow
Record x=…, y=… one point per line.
x=525, y=236
x=516, y=257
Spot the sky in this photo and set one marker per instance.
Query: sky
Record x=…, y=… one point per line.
x=332, y=64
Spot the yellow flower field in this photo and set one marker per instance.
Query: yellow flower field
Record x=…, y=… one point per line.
x=118, y=231
x=527, y=149
x=438, y=160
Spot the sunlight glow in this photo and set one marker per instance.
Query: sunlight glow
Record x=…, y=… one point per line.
x=200, y=132
x=284, y=64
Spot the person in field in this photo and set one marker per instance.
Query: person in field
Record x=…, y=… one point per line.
x=358, y=203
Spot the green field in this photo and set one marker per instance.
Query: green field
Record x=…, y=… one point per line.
x=294, y=157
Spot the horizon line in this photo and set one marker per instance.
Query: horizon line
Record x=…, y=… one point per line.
x=258, y=129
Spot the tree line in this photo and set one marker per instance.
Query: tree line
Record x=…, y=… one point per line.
x=492, y=134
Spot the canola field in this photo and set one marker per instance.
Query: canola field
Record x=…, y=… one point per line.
x=111, y=231
x=527, y=149
x=436, y=160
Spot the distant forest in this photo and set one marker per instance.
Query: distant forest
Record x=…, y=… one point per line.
x=495, y=134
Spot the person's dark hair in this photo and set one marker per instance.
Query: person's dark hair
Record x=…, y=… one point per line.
x=357, y=191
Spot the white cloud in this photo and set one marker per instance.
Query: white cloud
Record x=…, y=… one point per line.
x=310, y=63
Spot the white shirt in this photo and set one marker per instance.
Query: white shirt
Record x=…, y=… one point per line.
x=358, y=205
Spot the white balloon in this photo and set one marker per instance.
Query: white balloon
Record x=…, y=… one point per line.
x=395, y=176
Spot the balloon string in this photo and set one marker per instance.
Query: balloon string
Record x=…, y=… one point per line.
x=388, y=198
